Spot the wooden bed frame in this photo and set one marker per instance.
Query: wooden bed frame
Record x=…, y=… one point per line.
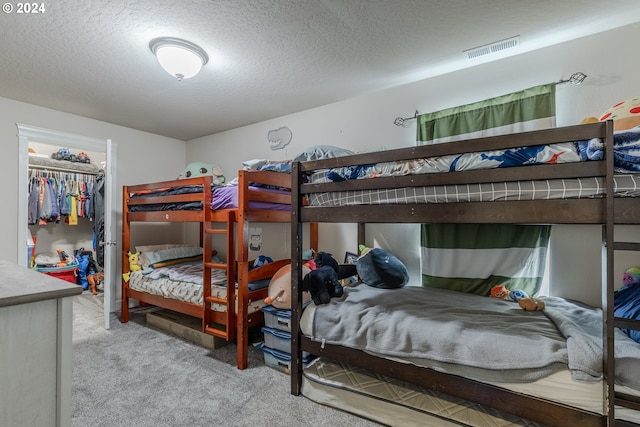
x=235, y=226
x=606, y=211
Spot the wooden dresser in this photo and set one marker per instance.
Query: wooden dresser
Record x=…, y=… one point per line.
x=35, y=347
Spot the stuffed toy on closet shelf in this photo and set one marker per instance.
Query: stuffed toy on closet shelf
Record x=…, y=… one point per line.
x=323, y=282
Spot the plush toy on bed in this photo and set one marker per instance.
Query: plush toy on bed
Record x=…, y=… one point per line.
x=203, y=169
x=630, y=277
x=531, y=304
x=625, y=114
x=378, y=268
x=134, y=264
x=502, y=292
x=323, y=283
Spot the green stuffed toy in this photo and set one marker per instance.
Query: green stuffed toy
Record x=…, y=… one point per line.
x=197, y=169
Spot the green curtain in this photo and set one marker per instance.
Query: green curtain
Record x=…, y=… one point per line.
x=475, y=257
x=530, y=109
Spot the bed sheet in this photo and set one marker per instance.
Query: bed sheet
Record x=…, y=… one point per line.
x=226, y=197
x=188, y=291
x=558, y=386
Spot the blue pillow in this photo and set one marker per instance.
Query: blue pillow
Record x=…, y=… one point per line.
x=380, y=269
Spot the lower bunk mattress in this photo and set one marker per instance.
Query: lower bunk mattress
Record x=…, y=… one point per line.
x=397, y=403
x=183, y=282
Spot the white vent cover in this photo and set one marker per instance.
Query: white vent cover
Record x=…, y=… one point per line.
x=492, y=48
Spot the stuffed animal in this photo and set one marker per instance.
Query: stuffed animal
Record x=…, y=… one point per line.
x=625, y=114
x=134, y=261
x=630, y=277
x=531, y=304
x=134, y=264
x=379, y=268
x=323, y=283
x=196, y=169
x=502, y=292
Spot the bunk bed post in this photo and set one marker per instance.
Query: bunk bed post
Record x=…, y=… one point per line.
x=608, y=358
x=296, y=279
x=126, y=239
x=242, y=338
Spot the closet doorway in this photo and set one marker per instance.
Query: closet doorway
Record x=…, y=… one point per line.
x=33, y=134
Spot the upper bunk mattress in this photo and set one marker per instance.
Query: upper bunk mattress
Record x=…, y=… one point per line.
x=627, y=185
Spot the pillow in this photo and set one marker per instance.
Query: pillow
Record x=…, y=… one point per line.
x=378, y=268
x=175, y=261
x=319, y=152
x=155, y=258
x=197, y=169
x=254, y=164
x=151, y=248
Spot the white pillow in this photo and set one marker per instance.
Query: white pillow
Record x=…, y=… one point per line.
x=319, y=152
x=152, y=254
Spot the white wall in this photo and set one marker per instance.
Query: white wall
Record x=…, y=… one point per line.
x=366, y=123
x=141, y=157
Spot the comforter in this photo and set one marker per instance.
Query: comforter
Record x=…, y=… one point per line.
x=626, y=158
x=484, y=338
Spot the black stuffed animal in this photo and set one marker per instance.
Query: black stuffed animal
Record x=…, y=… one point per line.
x=322, y=283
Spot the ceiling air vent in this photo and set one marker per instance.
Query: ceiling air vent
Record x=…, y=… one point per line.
x=492, y=48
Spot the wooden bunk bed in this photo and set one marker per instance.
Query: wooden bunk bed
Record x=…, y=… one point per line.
x=255, y=201
x=604, y=209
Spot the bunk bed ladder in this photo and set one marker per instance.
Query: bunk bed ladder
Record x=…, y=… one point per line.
x=226, y=329
x=610, y=322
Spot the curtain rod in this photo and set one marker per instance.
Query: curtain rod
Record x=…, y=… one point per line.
x=575, y=79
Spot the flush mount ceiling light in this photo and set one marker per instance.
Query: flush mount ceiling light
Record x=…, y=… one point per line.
x=180, y=58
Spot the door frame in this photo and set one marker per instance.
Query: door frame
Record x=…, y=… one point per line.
x=28, y=133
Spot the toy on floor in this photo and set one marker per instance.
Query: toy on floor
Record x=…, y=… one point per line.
x=94, y=280
x=501, y=292
x=323, y=283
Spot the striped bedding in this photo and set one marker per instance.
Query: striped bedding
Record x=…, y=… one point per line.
x=180, y=286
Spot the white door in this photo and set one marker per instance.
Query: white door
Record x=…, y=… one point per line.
x=109, y=242
x=28, y=133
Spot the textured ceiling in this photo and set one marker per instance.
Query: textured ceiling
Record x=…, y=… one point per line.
x=268, y=58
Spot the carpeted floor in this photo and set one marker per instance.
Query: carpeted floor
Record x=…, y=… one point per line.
x=136, y=375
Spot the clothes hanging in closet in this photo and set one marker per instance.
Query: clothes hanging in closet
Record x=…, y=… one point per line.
x=56, y=196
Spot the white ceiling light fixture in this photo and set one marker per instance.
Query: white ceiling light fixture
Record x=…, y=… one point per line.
x=180, y=58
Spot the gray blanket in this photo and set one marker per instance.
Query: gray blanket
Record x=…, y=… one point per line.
x=483, y=338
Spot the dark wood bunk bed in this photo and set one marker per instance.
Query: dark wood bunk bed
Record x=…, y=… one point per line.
x=253, y=204
x=605, y=209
